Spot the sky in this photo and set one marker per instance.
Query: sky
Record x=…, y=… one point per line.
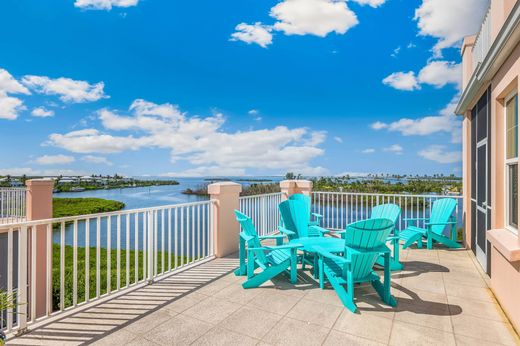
x=232, y=88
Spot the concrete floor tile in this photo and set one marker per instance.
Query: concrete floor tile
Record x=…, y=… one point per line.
x=250, y=321
x=212, y=310
x=180, y=330
x=314, y=312
x=484, y=329
x=411, y=334
x=222, y=337
x=294, y=332
x=337, y=338
x=365, y=326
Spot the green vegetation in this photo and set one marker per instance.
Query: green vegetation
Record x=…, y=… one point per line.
x=394, y=186
x=248, y=190
x=81, y=267
x=105, y=183
x=82, y=206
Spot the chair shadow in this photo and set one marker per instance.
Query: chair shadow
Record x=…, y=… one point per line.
x=416, y=268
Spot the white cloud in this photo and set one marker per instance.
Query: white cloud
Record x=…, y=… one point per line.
x=255, y=113
x=29, y=171
x=446, y=122
x=314, y=17
x=96, y=160
x=104, y=4
x=54, y=159
x=439, y=73
x=438, y=154
x=352, y=174
x=368, y=151
x=206, y=171
x=253, y=33
x=199, y=141
x=372, y=3
x=10, y=107
x=338, y=139
x=9, y=85
x=394, y=148
x=449, y=20
x=42, y=112
x=402, y=81
x=69, y=90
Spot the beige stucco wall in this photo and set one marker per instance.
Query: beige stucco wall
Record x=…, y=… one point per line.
x=505, y=274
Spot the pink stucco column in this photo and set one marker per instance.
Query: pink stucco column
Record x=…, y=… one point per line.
x=225, y=227
x=291, y=187
x=39, y=207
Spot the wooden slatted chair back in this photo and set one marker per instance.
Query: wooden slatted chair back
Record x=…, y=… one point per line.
x=361, y=237
x=386, y=211
x=295, y=216
x=441, y=212
x=246, y=223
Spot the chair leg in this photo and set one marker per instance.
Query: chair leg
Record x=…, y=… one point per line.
x=294, y=270
x=321, y=274
x=303, y=260
x=429, y=242
x=241, y=270
x=262, y=277
x=346, y=297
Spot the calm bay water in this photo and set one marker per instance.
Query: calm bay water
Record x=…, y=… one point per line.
x=153, y=196
x=137, y=198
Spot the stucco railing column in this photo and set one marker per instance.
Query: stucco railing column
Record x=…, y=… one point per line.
x=39, y=207
x=291, y=187
x=225, y=227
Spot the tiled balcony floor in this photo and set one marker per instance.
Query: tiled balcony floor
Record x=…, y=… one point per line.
x=443, y=299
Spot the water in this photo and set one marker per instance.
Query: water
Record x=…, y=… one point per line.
x=145, y=197
x=153, y=196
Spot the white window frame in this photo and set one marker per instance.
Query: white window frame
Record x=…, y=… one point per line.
x=508, y=162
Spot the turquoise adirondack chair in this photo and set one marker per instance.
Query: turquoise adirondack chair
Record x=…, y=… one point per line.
x=364, y=242
x=307, y=200
x=296, y=219
x=273, y=260
x=441, y=216
x=391, y=212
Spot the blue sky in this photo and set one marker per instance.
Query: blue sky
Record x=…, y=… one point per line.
x=245, y=87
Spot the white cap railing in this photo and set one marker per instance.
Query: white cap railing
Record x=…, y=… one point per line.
x=482, y=41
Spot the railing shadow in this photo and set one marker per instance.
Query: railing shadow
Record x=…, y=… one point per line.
x=96, y=322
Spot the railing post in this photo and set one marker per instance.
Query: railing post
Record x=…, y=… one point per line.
x=39, y=207
x=291, y=187
x=225, y=227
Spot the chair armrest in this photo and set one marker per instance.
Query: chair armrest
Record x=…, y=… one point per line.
x=320, y=229
x=279, y=247
x=415, y=218
x=285, y=231
x=441, y=223
x=245, y=236
x=324, y=253
x=379, y=250
x=272, y=236
x=318, y=217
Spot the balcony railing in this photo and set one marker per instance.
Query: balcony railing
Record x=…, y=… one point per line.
x=94, y=256
x=12, y=204
x=482, y=41
x=342, y=208
x=263, y=209
x=89, y=258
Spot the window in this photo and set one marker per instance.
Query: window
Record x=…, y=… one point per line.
x=512, y=161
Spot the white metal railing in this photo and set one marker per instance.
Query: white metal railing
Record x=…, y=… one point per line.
x=93, y=256
x=483, y=41
x=342, y=208
x=12, y=204
x=263, y=209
